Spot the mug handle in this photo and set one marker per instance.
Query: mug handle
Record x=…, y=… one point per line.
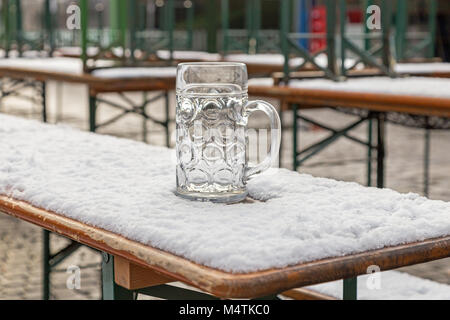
x=275, y=133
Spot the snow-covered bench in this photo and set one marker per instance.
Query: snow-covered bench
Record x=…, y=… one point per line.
x=121, y=194
x=388, y=285
x=410, y=86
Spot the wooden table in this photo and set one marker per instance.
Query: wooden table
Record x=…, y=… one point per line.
x=316, y=98
x=377, y=105
x=137, y=266
x=97, y=85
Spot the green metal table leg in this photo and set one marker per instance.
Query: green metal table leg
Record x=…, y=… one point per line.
x=6, y=27
x=167, y=122
x=190, y=24
x=19, y=30
x=92, y=113
x=84, y=32
x=426, y=163
x=281, y=142
x=367, y=42
x=350, y=289
x=380, y=149
x=212, y=26
x=132, y=28
x=432, y=28
x=46, y=234
x=110, y=290
x=46, y=265
x=44, y=101
x=369, y=151
x=294, y=137
x=144, y=120
x=49, y=26
x=225, y=10
x=386, y=19
x=284, y=33
x=331, y=37
x=401, y=28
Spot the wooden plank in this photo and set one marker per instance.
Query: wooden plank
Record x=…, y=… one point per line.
x=97, y=84
x=224, y=284
x=419, y=105
x=133, y=277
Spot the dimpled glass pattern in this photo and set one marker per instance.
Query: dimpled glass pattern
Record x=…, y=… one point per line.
x=211, y=134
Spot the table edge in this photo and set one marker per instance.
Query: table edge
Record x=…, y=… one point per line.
x=224, y=284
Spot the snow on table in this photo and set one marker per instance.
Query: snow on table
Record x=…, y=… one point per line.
x=75, y=66
x=432, y=67
x=127, y=187
x=277, y=59
x=60, y=65
x=263, y=59
x=136, y=72
x=188, y=55
x=77, y=51
x=412, y=86
x=393, y=285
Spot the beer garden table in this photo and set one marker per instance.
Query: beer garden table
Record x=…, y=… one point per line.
x=116, y=196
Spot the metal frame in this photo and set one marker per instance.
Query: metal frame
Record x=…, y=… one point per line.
x=366, y=55
x=14, y=34
x=129, y=30
x=128, y=106
x=402, y=37
x=113, y=291
x=252, y=39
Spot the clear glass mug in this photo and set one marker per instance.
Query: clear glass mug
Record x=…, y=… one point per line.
x=211, y=132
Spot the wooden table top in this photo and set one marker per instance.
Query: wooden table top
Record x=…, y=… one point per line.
x=419, y=105
x=97, y=84
x=224, y=284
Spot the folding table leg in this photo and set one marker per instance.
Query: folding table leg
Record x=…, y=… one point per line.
x=110, y=290
x=426, y=163
x=46, y=265
x=167, y=106
x=380, y=149
x=144, y=119
x=92, y=112
x=350, y=289
x=294, y=136
x=1, y=92
x=44, y=101
x=369, y=151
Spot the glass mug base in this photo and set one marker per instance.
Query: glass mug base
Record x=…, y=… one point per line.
x=216, y=197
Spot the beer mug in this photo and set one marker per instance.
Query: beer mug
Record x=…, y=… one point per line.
x=211, y=132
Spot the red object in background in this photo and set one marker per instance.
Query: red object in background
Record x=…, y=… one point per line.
x=318, y=25
x=355, y=15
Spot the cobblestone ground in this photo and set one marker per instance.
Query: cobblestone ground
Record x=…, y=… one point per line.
x=20, y=242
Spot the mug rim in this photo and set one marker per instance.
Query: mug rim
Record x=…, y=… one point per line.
x=220, y=63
